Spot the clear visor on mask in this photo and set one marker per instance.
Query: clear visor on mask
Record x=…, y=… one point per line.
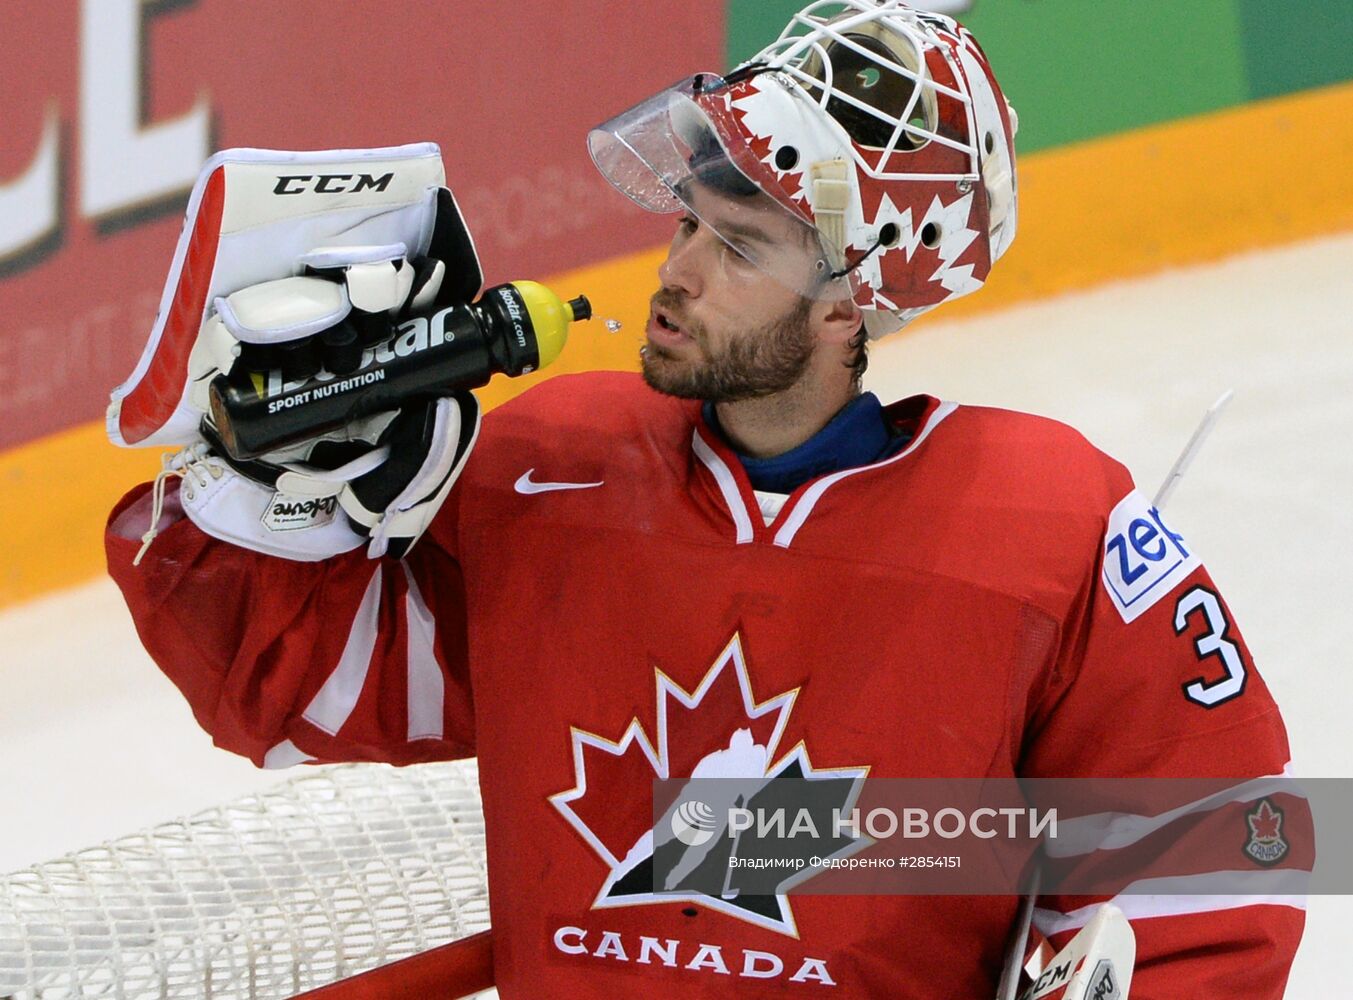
x=668, y=155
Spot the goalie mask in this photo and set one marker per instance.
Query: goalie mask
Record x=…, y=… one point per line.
x=874, y=132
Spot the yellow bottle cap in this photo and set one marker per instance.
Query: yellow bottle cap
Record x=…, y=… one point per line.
x=550, y=316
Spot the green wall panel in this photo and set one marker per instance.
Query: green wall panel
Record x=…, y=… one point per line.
x=1076, y=69
x=1296, y=44
x=754, y=24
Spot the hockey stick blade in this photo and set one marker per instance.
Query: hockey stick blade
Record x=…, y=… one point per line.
x=1096, y=964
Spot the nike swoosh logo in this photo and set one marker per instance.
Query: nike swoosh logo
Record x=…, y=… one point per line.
x=525, y=485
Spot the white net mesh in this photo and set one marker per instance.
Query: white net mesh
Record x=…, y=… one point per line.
x=341, y=870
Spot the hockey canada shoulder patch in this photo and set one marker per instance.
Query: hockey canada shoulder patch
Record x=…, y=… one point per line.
x=1143, y=558
x=1266, y=844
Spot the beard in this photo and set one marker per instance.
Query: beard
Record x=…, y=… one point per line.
x=751, y=363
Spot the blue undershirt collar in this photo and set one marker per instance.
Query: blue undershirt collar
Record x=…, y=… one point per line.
x=858, y=435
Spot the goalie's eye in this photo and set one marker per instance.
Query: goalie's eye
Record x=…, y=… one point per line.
x=738, y=251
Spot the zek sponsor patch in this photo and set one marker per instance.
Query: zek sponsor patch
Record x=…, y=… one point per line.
x=1143, y=559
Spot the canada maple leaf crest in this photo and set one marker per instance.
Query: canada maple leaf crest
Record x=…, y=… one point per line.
x=716, y=730
x=1265, y=843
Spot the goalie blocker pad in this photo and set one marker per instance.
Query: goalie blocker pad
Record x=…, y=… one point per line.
x=1096, y=964
x=254, y=215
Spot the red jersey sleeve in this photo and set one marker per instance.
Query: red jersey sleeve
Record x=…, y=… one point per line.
x=348, y=659
x=1153, y=679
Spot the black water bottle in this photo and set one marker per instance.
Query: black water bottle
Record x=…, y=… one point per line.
x=514, y=329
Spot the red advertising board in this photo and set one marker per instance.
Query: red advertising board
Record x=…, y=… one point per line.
x=112, y=105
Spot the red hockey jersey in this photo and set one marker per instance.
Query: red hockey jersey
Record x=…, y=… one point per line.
x=601, y=603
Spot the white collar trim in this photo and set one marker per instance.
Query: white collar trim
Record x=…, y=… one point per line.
x=728, y=486
x=804, y=505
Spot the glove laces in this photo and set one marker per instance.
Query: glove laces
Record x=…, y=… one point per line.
x=196, y=466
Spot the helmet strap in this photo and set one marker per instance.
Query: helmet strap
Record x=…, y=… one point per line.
x=831, y=198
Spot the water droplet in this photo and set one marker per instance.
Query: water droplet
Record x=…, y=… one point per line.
x=613, y=326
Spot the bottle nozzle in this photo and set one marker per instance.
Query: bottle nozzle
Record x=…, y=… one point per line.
x=582, y=309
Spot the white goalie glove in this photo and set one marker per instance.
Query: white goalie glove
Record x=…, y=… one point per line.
x=379, y=480
x=397, y=243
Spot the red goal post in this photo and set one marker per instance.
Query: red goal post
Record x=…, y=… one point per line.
x=459, y=969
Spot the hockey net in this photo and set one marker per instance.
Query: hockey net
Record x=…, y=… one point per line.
x=341, y=870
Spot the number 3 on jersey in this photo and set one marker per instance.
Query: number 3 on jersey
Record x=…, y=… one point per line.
x=1212, y=642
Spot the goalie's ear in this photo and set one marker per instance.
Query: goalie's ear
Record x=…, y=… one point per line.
x=454, y=246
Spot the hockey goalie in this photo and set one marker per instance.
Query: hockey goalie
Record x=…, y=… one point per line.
x=736, y=561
